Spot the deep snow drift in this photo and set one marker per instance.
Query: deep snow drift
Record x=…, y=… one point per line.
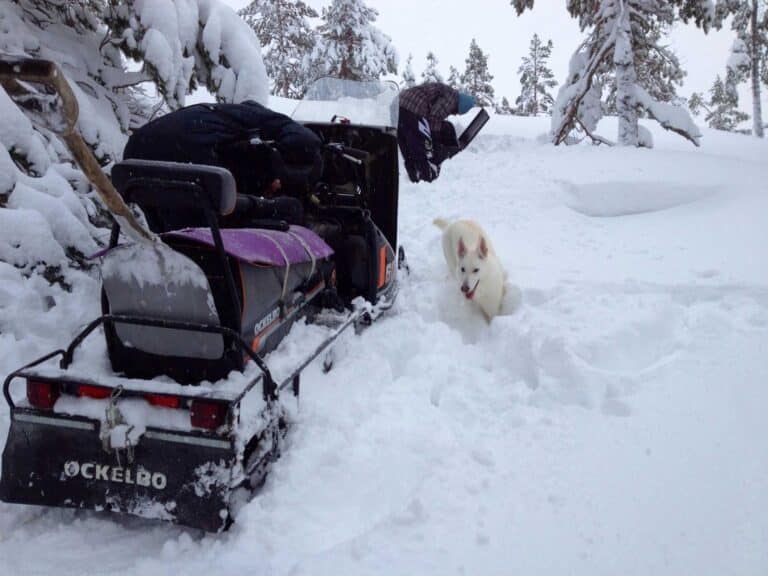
x=614, y=424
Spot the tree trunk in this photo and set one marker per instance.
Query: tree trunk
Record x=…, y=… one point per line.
x=281, y=83
x=757, y=111
x=626, y=78
x=536, y=83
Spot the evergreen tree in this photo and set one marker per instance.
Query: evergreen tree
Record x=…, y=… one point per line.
x=536, y=79
x=287, y=40
x=454, y=78
x=409, y=78
x=505, y=109
x=696, y=103
x=618, y=37
x=658, y=68
x=350, y=46
x=184, y=43
x=431, y=73
x=179, y=44
x=749, y=54
x=476, y=79
x=723, y=109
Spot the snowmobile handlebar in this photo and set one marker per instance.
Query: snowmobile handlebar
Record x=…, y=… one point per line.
x=345, y=152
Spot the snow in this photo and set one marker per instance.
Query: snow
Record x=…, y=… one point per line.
x=154, y=265
x=27, y=239
x=44, y=202
x=16, y=132
x=235, y=51
x=671, y=117
x=66, y=227
x=626, y=198
x=137, y=414
x=738, y=59
x=613, y=424
x=201, y=38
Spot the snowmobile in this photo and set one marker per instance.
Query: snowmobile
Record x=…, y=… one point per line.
x=185, y=417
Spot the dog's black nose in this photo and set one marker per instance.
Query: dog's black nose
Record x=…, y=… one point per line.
x=464, y=288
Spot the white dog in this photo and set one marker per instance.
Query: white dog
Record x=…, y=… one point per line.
x=474, y=264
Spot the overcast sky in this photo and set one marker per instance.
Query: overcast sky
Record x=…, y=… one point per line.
x=447, y=27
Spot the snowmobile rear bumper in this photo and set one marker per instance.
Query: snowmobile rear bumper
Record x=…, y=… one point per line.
x=187, y=476
x=57, y=460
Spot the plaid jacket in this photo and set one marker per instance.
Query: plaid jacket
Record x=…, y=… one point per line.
x=433, y=101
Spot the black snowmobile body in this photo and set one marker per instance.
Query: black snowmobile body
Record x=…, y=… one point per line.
x=187, y=354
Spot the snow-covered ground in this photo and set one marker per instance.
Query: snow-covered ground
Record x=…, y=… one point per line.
x=614, y=424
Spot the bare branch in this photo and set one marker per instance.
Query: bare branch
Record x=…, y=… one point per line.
x=596, y=138
x=131, y=79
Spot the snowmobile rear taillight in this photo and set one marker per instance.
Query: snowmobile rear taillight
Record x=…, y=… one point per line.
x=208, y=415
x=42, y=395
x=95, y=392
x=163, y=400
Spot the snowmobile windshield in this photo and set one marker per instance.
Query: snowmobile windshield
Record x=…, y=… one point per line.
x=329, y=100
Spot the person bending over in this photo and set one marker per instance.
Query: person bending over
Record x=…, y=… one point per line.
x=267, y=152
x=426, y=139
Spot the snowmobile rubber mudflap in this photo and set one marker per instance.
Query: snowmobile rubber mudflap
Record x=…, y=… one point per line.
x=55, y=460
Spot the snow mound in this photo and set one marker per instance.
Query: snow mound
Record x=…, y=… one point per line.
x=609, y=199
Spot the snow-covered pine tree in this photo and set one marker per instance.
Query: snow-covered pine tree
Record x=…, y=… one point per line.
x=409, y=78
x=350, y=46
x=504, y=108
x=49, y=215
x=749, y=54
x=536, y=79
x=287, y=41
x=476, y=79
x=617, y=29
x=723, y=108
x=657, y=66
x=185, y=43
x=696, y=103
x=431, y=73
x=454, y=78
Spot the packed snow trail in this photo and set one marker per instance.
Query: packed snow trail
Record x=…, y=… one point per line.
x=614, y=423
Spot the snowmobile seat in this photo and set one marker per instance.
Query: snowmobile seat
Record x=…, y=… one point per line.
x=175, y=195
x=251, y=275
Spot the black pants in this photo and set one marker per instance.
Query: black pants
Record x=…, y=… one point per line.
x=424, y=151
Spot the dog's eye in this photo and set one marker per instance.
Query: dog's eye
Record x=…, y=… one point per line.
x=476, y=270
x=462, y=269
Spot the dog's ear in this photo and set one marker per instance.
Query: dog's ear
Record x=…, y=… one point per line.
x=483, y=248
x=462, y=248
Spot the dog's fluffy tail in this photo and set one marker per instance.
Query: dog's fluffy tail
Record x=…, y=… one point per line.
x=440, y=223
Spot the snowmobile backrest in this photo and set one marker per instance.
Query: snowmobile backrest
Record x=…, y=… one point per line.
x=175, y=186
x=177, y=195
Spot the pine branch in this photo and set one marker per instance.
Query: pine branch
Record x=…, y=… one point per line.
x=585, y=81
